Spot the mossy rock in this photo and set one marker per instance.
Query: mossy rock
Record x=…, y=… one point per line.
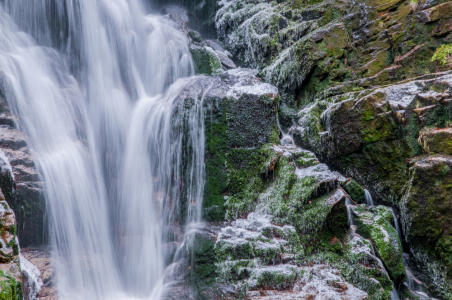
x=438, y=141
x=385, y=238
x=10, y=287
x=426, y=214
x=383, y=211
x=206, y=61
x=355, y=191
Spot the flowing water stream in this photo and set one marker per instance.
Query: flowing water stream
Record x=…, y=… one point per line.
x=93, y=84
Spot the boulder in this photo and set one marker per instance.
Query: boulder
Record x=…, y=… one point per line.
x=426, y=210
x=385, y=239
x=371, y=135
x=441, y=11
x=437, y=141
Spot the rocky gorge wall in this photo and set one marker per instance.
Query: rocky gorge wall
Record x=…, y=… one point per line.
x=358, y=88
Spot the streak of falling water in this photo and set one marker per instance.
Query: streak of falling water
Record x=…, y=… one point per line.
x=394, y=295
x=396, y=225
x=409, y=282
x=348, y=204
x=83, y=78
x=369, y=200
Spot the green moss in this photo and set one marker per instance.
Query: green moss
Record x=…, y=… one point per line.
x=236, y=130
x=386, y=240
x=355, y=191
x=10, y=288
x=206, y=61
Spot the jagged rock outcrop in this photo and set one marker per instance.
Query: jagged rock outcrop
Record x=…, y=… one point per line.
x=307, y=47
x=372, y=134
x=375, y=136
x=290, y=217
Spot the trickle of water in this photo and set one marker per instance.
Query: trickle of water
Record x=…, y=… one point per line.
x=409, y=282
x=396, y=225
x=348, y=203
x=394, y=294
x=369, y=201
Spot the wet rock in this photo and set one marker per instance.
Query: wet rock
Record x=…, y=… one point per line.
x=261, y=36
x=23, y=188
x=181, y=11
x=426, y=212
x=225, y=60
x=258, y=257
x=10, y=277
x=41, y=259
x=206, y=60
x=355, y=191
x=371, y=135
x=440, y=11
x=384, y=237
x=31, y=281
x=437, y=141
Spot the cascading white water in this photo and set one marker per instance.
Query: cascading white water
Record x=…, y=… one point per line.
x=84, y=82
x=369, y=201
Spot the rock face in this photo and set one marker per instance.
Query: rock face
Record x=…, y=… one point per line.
x=306, y=47
x=10, y=278
x=23, y=189
x=370, y=135
x=426, y=214
x=249, y=177
x=374, y=136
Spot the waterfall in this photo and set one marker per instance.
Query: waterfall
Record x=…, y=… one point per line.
x=91, y=84
x=369, y=200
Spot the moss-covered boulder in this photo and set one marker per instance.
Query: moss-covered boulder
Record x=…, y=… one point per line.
x=284, y=40
x=384, y=212
x=426, y=211
x=206, y=60
x=305, y=47
x=371, y=135
x=436, y=140
x=240, y=117
x=385, y=239
x=360, y=265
